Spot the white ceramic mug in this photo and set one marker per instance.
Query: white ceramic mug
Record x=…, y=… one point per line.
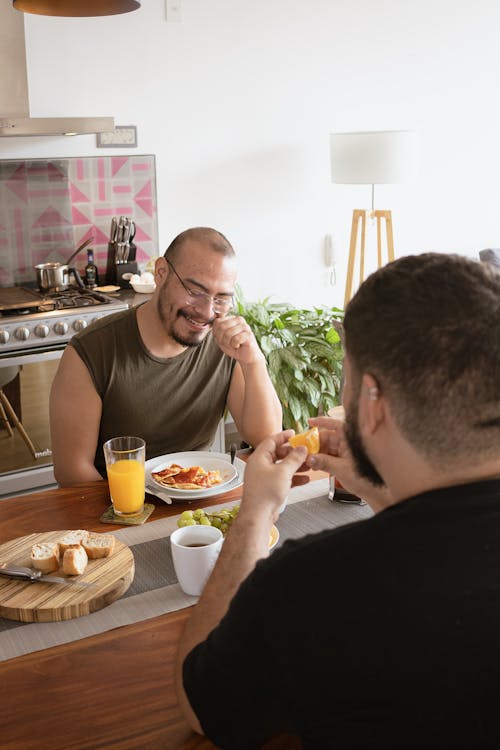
x=195, y=550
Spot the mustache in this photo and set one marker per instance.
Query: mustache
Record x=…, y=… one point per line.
x=209, y=321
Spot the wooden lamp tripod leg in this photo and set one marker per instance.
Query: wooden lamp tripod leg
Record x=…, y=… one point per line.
x=3, y=417
x=358, y=216
x=387, y=217
x=4, y=401
x=361, y=216
x=390, y=238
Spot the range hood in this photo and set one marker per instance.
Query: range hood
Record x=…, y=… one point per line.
x=15, y=117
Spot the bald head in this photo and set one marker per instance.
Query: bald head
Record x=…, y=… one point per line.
x=207, y=236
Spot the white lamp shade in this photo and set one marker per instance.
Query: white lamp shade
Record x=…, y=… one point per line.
x=373, y=158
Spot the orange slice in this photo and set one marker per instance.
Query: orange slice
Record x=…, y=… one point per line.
x=309, y=438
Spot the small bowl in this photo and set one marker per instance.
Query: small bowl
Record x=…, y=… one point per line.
x=143, y=288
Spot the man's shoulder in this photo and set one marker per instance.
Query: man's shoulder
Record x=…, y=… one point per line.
x=112, y=323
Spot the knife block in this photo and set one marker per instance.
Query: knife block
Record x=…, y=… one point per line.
x=115, y=269
x=124, y=268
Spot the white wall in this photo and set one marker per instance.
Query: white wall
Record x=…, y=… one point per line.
x=237, y=102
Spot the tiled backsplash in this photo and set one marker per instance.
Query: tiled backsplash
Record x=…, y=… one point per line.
x=50, y=206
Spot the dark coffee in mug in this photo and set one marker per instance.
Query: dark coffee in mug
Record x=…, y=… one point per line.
x=197, y=544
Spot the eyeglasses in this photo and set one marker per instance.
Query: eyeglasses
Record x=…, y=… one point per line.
x=219, y=304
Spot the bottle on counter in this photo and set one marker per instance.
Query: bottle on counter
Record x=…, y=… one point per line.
x=91, y=272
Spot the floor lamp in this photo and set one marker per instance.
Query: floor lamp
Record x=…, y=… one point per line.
x=371, y=158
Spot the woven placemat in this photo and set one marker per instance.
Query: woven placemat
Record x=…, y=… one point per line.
x=109, y=516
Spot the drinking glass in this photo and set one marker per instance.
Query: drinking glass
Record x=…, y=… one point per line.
x=124, y=458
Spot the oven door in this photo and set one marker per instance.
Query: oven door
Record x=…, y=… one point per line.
x=25, y=450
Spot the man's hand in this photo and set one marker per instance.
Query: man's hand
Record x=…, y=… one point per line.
x=336, y=458
x=235, y=338
x=267, y=478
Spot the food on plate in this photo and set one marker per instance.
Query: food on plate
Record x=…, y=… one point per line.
x=45, y=556
x=221, y=519
x=75, y=561
x=309, y=439
x=107, y=288
x=187, y=478
x=98, y=545
x=72, y=539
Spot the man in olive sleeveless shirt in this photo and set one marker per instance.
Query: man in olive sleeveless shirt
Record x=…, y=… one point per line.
x=166, y=370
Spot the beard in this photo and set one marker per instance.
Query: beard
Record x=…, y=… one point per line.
x=362, y=461
x=192, y=338
x=189, y=338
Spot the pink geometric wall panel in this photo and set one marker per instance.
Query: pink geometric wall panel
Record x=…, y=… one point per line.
x=50, y=206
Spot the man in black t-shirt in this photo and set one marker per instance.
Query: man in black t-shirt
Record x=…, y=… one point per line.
x=382, y=633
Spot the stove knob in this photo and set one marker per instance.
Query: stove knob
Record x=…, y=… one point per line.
x=42, y=331
x=80, y=324
x=4, y=337
x=61, y=328
x=22, y=333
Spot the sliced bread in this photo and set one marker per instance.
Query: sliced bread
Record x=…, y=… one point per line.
x=72, y=539
x=99, y=545
x=45, y=556
x=75, y=561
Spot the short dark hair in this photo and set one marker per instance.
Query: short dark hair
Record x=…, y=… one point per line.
x=211, y=237
x=427, y=327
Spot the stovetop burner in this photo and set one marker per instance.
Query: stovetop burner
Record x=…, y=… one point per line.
x=70, y=298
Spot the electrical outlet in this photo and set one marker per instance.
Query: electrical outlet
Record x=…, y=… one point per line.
x=173, y=10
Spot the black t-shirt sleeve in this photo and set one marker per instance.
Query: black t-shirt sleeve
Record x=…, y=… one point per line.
x=233, y=679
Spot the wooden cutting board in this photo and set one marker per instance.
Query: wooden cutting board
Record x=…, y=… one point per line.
x=12, y=298
x=47, y=602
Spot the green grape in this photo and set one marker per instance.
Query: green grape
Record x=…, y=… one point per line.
x=221, y=519
x=186, y=522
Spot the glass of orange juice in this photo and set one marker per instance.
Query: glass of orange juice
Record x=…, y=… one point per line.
x=125, y=468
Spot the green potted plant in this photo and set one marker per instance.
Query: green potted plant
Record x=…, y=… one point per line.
x=304, y=352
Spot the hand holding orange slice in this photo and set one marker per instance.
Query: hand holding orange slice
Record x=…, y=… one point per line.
x=309, y=439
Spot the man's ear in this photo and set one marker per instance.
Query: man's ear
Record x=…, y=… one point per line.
x=373, y=402
x=161, y=269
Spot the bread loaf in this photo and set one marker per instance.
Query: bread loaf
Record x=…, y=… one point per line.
x=75, y=561
x=72, y=539
x=99, y=545
x=45, y=556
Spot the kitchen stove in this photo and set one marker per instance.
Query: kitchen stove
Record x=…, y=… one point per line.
x=49, y=322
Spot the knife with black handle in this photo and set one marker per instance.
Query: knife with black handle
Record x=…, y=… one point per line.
x=32, y=575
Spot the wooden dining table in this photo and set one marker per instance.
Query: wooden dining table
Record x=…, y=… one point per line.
x=110, y=690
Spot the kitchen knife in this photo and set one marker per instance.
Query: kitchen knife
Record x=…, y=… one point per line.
x=32, y=575
x=114, y=228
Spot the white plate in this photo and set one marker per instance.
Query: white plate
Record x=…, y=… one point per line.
x=209, y=460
